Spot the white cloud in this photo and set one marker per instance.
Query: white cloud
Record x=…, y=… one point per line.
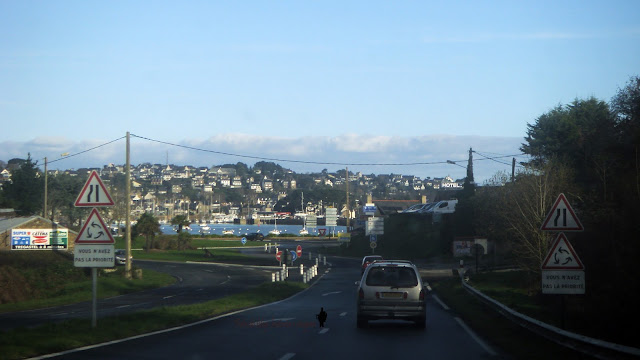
x=423, y=156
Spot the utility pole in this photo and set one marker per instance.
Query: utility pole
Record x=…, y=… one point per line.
x=44, y=211
x=513, y=169
x=348, y=212
x=127, y=199
x=470, y=167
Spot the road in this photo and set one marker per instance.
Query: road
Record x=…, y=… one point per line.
x=288, y=330
x=195, y=283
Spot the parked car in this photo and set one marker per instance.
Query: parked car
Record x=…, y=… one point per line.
x=425, y=209
x=416, y=208
x=391, y=290
x=444, y=207
x=254, y=236
x=367, y=260
x=121, y=256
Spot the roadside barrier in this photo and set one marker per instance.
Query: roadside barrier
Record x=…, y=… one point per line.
x=593, y=347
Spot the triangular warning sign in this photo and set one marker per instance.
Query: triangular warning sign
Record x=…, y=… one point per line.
x=562, y=256
x=94, y=193
x=94, y=231
x=562, y=217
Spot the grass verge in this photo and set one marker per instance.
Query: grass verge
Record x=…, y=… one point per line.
x=19, y=343
x=109, y=284
x=497, y=330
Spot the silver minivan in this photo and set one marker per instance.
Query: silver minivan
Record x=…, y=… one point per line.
x=391, y=290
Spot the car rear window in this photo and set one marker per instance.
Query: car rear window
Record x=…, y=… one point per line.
x=394, y=276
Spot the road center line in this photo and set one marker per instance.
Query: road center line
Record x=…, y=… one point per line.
x=331, y=293
x=343, y=313
x=323, y=331
x=122, y=306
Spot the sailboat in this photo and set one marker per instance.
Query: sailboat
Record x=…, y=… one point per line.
x=275, y=230
x=304, y=230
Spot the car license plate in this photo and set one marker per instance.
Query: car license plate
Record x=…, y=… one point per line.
x=391, y=295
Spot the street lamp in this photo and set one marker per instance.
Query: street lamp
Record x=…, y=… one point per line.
x=454, y=163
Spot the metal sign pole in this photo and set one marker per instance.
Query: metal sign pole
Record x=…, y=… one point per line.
x=94, y=305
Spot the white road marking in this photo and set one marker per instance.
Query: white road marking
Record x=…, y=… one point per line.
x=167, y=297
x=473, y=335
x=324, y=330
x=436, y=298
x=122, y=306
x=268, y=321
x=331, y=293
x=287, y=356
x=226, y=281
x=428, y=286
x=60, y=314
x=343, y=313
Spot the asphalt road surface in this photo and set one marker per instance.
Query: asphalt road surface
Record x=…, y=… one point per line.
x=195, y=283
x=288, y=330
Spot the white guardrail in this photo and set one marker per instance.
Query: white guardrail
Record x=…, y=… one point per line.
x=593, y=347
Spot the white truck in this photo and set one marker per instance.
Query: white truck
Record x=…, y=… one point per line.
x=444, y=207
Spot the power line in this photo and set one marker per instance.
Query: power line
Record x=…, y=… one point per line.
x=84, y=151
x=486, y=157
x=498, y=157
x=288, y=160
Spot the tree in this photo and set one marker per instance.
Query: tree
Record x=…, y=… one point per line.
x=147, y=226
x=527, y=202
x=184, y=240
x=25, y=191
x=62, y=193
x=180, y=221
x=581, y=134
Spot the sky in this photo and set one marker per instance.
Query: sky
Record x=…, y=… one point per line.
x=376, y=86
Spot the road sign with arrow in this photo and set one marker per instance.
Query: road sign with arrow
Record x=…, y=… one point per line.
x=94, y=231
x=562, y=270
x=562, y=256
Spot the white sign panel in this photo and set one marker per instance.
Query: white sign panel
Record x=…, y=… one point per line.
x=375, y=226
x=93, y=256
x=312, y=220
x=332, y=216
x=563, y=282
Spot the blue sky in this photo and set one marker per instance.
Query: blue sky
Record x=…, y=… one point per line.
x=344, y=82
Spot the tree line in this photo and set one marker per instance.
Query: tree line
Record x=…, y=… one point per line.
x=590, y=151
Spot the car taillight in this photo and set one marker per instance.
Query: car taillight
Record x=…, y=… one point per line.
x=404, y=296
x=421, y=294
x=361, y=294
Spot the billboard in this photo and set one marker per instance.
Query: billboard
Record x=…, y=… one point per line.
x=39, y=239
x=463, y=248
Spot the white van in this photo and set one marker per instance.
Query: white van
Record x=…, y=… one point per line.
x=444, y=207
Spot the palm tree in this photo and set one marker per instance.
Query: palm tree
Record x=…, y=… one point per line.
x=149, y=227
x=181, y=221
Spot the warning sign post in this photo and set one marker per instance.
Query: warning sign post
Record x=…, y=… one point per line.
x=562, y=270
x=94, y=245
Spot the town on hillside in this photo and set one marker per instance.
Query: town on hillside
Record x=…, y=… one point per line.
x=266, y=191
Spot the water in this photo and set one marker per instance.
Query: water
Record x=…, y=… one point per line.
x=239, y=230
